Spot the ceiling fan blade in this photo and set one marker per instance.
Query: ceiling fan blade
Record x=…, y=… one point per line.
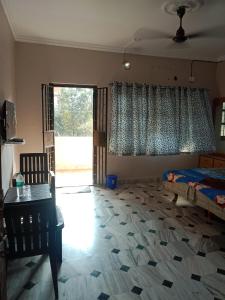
x=215, y=32
x=213, y=3
x=178, y=46
x=148, y=34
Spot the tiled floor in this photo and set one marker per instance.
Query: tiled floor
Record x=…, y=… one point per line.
x=126, y=244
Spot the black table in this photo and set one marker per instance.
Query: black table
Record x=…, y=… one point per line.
x=33, y=194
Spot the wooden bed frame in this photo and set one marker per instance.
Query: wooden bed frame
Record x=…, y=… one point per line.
x=195, y=197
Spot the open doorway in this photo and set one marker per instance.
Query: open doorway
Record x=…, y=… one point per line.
x=98, y=104
x=73, y=125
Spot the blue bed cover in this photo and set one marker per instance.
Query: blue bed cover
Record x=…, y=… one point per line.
x=197, y=175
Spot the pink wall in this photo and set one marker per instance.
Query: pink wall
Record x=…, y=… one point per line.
x=37, y=64
x=7, y=89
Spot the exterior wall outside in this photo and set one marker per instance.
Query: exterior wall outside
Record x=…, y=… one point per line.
x=37, y=64
x=73, y=153
x=7, y=90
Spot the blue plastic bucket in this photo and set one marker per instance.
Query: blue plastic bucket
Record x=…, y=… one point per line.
x=111, y=181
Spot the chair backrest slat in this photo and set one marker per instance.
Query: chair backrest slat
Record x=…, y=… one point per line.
x=34, y=167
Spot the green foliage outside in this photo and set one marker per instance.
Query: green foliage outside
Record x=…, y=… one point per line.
x=74, y=112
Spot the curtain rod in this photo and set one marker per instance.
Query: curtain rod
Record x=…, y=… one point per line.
x=154, y=85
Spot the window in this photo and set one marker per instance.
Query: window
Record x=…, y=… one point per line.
x=222, y=126
x=160, y=120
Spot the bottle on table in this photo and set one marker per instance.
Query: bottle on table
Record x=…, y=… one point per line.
x=20, y=185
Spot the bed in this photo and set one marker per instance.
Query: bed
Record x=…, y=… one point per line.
x=201, y=186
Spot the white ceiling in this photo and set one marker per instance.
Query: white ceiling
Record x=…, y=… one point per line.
x=110, y=25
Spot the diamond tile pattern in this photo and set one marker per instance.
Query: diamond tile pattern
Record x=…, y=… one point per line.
x=123, y=223
x=114, y=247
x=140, y=247
x=63, y=279
x=103, y=296
x=30, y=264
x=221, y=271
x=185, y=240
x=172, y=228
x=167, y=283
x=115, y=251
x=124, y=268
x=177, y=258
x=108, y=237
x=29, y=285
x=152, y=263
x=136, y=290
x=95, y=273
x=163, y=243
x=205, y=236
x=196, y=277
x=200, y=253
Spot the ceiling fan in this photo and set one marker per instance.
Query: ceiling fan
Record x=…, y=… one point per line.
x=180, y=36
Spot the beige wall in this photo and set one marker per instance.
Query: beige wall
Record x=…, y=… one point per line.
x=7, y=88
x=220, y=76
x=37, y=64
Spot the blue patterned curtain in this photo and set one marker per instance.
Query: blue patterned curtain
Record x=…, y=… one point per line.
x=154, y=120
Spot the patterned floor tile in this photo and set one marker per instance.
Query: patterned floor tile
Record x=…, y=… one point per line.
x=129, y=243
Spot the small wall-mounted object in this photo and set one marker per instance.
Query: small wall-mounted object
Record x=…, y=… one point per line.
x=191, y=79
x=15, y=141
x=8, y=124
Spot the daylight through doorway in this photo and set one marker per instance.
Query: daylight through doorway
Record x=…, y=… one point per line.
x=73, y=124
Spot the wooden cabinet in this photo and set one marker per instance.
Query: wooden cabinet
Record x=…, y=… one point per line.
x=205, y=162
x=218, y=163
x=214, y=160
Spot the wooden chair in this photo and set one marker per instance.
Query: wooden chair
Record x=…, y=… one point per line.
x=32, y=230
x=34, y=168
x=39, y=231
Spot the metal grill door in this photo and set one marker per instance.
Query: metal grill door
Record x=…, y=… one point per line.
x=48, y=124
x=100, y=108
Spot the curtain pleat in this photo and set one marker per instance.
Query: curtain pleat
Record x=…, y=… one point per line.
x=155, y=120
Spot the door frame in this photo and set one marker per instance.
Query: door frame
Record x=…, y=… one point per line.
x=100, y=124
x=87, y=86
